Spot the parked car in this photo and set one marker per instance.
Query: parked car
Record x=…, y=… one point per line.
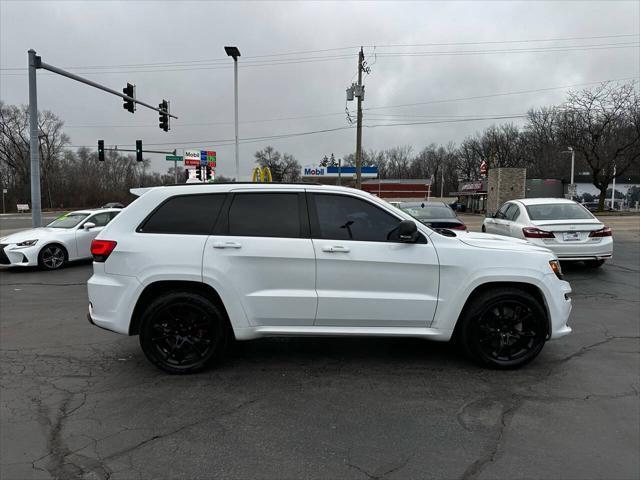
x=434, y=214
x=188, y=267
x=565, y=227
x=65, y=239
x=113, y=205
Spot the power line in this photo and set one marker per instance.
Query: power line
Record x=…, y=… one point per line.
x=276, y=62
x=223, y=60
x=519, y=92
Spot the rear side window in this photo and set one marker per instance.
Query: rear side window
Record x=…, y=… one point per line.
x=265, y=215
x=185, y=214
x=512, y=212
x=340, y=217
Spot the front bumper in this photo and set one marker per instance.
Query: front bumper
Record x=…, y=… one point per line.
x=558, y=300
x=14, y=256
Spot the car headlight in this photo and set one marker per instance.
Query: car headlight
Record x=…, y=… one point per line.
x=27, y=243
x=555, y=266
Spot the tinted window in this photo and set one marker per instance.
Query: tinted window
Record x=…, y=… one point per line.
x=346, y=218
x=265, y=215
x=512, y=212
x=558, y=211
x=428, y=211
x=100, y=219
x=186, y=214
x=503, y=210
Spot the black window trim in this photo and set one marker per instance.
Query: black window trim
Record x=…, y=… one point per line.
x=139, y=228
x=222, y=225
x=315, y=224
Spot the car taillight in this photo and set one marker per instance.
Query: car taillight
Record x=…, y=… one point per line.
x=603, y=232
x=462, y=226
x=533, y=232
x=101, y=249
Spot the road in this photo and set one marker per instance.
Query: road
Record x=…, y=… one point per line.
x=80, y=402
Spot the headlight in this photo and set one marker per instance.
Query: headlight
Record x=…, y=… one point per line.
x=555, y=266
x=27, y=243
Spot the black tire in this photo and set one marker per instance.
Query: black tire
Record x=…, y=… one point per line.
x=484, y=229
x=594, y=263
x=183, y=332
x=503, y=328
x=52, y=257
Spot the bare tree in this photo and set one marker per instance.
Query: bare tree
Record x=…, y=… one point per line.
x=602, y=124
x=284, y=168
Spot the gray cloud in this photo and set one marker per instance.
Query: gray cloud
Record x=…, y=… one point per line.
x=75, y=34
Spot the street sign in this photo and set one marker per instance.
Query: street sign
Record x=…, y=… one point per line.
x=174, y=158
x=572, y=190
x=4, y=190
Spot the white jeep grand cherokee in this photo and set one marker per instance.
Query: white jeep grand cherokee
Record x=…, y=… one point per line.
x=189, y=267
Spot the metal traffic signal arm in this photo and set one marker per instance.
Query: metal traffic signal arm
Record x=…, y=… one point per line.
x=35, y=63
x=138, y=150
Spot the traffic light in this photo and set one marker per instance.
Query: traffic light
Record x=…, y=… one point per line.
x=101, y=150
x=164, y=115
x=186, y=175
x=139, y=150
x=199, y=172
x=208, y=168
x=129, y=91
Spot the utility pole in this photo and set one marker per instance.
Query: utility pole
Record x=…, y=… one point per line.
x=359, y=124
x=234, y=53
x=442, y=183
x=613, y=189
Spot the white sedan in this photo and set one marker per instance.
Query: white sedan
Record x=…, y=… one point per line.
x=65, y=239
x=565, y=227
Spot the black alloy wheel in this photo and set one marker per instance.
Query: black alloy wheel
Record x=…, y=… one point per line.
x=504, y=328
x=183, y=332
x=52, y=257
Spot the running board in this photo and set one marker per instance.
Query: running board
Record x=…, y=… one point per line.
x=330, y=331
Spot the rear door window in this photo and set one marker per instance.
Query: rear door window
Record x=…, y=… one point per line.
x=185, y=214
x=266, y=215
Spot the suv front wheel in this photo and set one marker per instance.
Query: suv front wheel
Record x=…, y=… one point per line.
x=183, y=332
x=503, y=328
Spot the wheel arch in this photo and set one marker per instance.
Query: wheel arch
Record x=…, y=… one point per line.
x=153, y=290
x=529, y=288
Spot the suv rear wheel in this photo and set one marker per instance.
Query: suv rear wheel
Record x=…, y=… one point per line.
x=183, y=332
x=503, y=328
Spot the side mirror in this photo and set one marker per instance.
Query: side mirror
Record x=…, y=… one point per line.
x=407, y=231
x=88, y=225
x=489, y=215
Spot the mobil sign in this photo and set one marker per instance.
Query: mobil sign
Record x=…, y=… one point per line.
x=314, y=171
x=192, y=158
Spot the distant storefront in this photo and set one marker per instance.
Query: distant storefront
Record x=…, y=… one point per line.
x=472, y=196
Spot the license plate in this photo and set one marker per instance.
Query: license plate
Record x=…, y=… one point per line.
x=571, y=236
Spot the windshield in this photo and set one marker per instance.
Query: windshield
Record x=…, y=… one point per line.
x=558, y=211
x=428, y=211
x=69, y=220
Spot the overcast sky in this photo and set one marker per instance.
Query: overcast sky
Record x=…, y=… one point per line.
x=451, y=42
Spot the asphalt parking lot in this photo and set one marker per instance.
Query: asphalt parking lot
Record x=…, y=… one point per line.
x=80, y=402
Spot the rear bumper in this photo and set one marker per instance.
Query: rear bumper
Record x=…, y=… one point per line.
x=111, y=300
x=595, y=249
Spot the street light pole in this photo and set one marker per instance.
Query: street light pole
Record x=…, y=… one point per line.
x=234, y=53
x=573, y=162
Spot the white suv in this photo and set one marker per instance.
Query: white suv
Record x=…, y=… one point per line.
x=189, y=267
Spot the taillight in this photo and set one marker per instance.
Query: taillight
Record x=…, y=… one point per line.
x=533, y=232
x=101, y=249
x=603, y=232
x=462, y=226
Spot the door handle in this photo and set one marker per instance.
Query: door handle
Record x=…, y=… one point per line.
x=336, y=248
x=226, y=245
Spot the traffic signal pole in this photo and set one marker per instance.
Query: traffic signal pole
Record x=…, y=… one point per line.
x=36, y=208
x=35, y=63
